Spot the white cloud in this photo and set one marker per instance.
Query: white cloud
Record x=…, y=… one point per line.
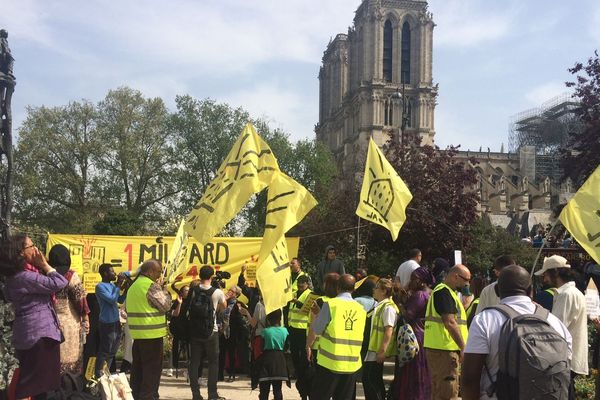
x=467, y=23
x=544, y=92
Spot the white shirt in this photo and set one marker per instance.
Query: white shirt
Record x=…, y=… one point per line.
x=405, y=270
x=569, y=307
x=217, y=298
x=484, y=335
x=389, y=319
x=487, y=298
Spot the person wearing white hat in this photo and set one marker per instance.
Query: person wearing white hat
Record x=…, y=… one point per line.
x=569, y=307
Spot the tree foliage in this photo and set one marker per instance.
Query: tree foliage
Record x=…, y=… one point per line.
x=127, y=165
x=582, y=154
x=488, y=242
x=56, y=183
x=438, y=217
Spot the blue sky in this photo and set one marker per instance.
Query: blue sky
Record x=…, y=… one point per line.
x=492, y=59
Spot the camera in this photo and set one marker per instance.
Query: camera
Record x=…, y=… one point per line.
x=218, y=281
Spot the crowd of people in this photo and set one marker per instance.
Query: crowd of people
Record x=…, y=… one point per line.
x=449, y=335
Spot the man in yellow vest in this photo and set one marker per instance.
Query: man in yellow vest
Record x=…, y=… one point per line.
x=297, y=324
x=446, y=333
x=341, y=324
x=147, y=304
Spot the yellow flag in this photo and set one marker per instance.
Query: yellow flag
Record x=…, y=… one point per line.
x=384, y=196
x=581, y=215
x=177, y=263
x=248, y=169
x=288, y=202
x=275, y=278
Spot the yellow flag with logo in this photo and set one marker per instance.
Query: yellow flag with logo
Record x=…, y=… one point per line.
x=384, y=196
x=248, y=169
x=581, y=215
x=288, y=202
x=275, y=278
x=177, y=263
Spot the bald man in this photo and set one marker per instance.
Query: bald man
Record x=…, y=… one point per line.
x=446, y=333
x=147, y=304
x=482, y=348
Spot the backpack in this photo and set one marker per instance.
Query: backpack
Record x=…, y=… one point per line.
x=407, y=345
x=201, y=313
x=532, y=357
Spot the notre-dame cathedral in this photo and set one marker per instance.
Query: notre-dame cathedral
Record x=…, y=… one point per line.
x=376, y=80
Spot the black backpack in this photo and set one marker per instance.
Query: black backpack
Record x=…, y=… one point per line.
x=532, y=357
x=200, y=314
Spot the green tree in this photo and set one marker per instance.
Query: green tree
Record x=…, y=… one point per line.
x=138, y=158
x=204, y=132
x=56, y=183
x=489, y=242
x=582, y=153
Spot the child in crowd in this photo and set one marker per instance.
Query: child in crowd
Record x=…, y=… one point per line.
x=272, y=368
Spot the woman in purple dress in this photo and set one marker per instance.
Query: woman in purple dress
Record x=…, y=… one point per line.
x=412, y=381
x=30, y=286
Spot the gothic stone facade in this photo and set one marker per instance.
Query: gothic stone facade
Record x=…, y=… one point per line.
x=377, y=79
x=369, y=76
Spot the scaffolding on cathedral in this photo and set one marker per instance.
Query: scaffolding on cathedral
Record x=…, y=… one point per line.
x=547, y=129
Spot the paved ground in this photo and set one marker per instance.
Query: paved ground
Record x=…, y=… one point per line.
x=172, y=388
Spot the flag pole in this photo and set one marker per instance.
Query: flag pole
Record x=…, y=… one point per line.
x=542, y=247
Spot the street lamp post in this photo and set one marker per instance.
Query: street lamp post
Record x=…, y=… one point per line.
x=401, y=96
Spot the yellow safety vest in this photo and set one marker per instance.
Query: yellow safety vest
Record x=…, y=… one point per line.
x=436, y=334
x=295, y=318
x=295, y=282
x=377, y=329
x=340, y=344
x=145, y=321
x=472, y=307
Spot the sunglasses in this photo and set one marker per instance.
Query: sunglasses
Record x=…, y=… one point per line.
x=463, y=278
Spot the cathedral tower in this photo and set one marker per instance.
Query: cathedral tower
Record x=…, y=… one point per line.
x=376, y=80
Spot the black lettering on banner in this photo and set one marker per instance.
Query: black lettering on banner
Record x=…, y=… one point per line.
x=222, y=256
x=151, y=250
x=195, y=254
x=208, y=252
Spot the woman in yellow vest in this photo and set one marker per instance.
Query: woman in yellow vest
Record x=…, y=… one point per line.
x=381, y=342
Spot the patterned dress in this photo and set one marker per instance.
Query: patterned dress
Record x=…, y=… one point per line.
x=413, y=380
x=71, y=306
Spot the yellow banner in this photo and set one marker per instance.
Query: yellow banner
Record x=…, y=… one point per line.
x=247, y=170
x=126, y=253
x=581, y=215
x=384, y=195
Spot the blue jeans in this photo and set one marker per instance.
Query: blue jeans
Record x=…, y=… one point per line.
x=109, y=336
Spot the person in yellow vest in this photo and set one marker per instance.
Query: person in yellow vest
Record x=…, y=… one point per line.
x=341, y=324
x=381, y=343
x=446, y=333
x=296, y=272
x=297, y=324
x=147, y=305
